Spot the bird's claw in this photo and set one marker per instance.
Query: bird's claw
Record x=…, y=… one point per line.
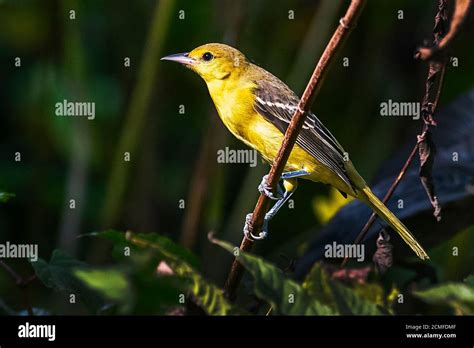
x=262, y=235
x=266, y=189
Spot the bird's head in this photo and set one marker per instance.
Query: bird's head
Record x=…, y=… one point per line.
x=212, y=61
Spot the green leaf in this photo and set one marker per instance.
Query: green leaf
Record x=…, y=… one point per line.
x=56, y=273
x=346, y=300
x=5, y=197
x=453, y=259
x=399, y=275
x=459, y=296
x=470, y=280
x=317, y=284
x=285, y=295
x=111, y=283
x=59, y=274
x=372, y=292
x=350, y=303
x=206, y=295
x=155, y=295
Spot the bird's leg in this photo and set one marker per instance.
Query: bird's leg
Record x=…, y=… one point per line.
x=267, y=190
x=286, y=196
x=269, y=215
x=290, y=184
x=294, y=174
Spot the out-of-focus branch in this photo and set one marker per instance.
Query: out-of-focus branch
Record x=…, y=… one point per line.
x=203, y=168
x=75, y=71
x=137, y=110
x=345, y=25
x=22, y=284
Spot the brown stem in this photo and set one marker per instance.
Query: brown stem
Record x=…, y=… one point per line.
x=22, y=284
x=345, y=25
x=16, y=277
x=428, y=99
x=203, y=168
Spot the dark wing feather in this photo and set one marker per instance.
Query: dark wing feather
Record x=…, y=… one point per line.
x=277, y=103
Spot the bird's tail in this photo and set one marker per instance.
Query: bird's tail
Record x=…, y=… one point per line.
x=371, y=199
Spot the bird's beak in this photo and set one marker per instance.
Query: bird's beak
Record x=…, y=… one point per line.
x=182, y=58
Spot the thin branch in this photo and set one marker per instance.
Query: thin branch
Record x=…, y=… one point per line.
x=22, y=283
x=345, y=25
x=429, y=104
x=16, y=277
x=203, y=168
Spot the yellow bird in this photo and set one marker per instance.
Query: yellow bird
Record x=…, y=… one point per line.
x=257, y=108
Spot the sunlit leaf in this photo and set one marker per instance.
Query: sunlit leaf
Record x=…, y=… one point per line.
x=112, y=284
x=209, y=297
x=346, y=300
x=284, y=295
x=5, y=197
x=459, y=296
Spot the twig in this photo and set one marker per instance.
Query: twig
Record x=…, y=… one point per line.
x=11, y=272
x=429, y=103
x=22, y=283
x=345, y=25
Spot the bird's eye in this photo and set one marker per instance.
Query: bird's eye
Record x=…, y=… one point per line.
x=207, y=56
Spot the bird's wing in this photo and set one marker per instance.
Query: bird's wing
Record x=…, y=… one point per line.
x=277, y=104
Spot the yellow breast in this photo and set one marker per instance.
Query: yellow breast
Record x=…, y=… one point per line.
x=235, y=108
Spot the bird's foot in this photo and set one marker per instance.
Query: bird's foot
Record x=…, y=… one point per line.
x=266, y=189
x=249, y=235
